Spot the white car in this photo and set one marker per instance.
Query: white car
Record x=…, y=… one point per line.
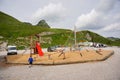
x=11, y=50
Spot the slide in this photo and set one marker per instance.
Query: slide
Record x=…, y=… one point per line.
x=39, y=49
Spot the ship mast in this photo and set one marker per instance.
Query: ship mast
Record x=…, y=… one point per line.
x=75, y=35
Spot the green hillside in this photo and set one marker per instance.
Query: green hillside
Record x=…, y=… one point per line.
x=11, y=27
x=43, y=23
x=9, y=19
x=18, y=33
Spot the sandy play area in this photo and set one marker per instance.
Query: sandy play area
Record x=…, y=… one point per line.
x=51, y=58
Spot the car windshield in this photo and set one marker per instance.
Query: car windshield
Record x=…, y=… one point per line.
x=12, y=48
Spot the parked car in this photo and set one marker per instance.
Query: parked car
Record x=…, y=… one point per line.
x=98, y=45
x=52, y=48
x=11, y=50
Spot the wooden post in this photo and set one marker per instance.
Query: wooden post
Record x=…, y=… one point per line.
x=31, y=45
x=75, y=34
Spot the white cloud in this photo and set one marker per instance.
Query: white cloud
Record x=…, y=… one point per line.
x=98, y=17
x=90, y=20
x=112, y=27
x=51, y=13
x=111, y=30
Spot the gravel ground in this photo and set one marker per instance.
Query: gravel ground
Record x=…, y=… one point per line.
x=105, y=70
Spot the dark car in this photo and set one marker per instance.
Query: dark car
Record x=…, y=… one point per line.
x=52, y=48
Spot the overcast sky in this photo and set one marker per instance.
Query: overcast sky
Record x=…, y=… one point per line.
x=100, y=16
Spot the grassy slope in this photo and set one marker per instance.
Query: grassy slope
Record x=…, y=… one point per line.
x=11, y=28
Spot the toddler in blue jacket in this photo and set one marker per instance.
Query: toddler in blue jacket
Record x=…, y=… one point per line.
x=30, y=60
